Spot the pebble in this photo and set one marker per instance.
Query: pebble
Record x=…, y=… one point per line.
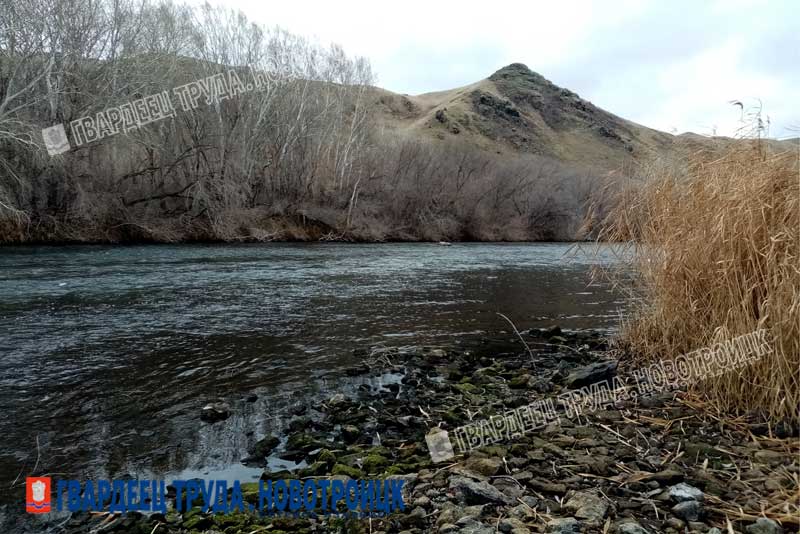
x=587, y=505
x=764, y=526
x=511, y=525
x=688, y=510
x=563, y=525
x=630, y=527
x=478, y=492
x=684, y=492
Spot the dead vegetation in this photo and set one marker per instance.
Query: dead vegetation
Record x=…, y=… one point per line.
x=305, y=159
x=715, y=242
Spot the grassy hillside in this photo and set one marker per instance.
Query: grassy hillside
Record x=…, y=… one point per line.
x=518, y=111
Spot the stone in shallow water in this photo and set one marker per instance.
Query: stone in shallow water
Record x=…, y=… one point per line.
x=218, y=411
x=554, y=330
x=264, y=446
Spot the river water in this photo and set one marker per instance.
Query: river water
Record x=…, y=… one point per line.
x=107, y=354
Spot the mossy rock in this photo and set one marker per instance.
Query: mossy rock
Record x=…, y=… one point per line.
x=173, y=517
x=351, y=460
x=264, y=446
x=197, y=522
x=350, y=433
x=232, y=521
x=467, y=389
x=327, y=457
x=317, y=469
x=413, y=450
x=304, y=442
x=404, y=468
x=383, y=451
x=283, y=474
x=419, y=461
x=346, y=470
x=520, y=381
x=192, y=512
x=519, y=449
x=375, y=463
x=250, y=492
x=454, y=375
x=290, y=524
x=452, y=417
x=495, y=450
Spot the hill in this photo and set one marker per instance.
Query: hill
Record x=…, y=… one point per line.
x=516, y=110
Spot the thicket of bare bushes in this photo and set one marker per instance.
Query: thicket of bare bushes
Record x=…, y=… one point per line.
x=449, y=191
x=300, y=160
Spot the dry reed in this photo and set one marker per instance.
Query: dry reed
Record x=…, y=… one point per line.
x=715, y=242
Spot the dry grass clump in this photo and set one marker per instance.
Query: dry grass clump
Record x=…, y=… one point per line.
x=716, y=247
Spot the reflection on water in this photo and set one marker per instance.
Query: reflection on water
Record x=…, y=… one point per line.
x=107, y=354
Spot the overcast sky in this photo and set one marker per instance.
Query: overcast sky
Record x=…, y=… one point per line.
x=671, y=65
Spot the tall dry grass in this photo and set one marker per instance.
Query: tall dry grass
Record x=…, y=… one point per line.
x=715, y=244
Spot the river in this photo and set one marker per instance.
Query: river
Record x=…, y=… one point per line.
x=107, y=354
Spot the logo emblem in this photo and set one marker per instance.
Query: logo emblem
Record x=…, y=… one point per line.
x=55, y=140
x=37, y=495
x=439, y=445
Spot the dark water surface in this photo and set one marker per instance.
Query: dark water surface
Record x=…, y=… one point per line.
x=107, y=354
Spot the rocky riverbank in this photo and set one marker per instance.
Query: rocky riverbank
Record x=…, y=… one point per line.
x=662, y=463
